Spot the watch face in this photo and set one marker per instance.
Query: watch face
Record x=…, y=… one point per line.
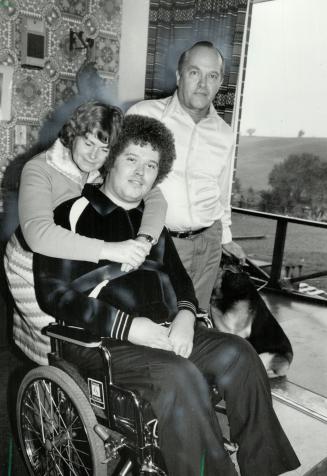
x=148, y=238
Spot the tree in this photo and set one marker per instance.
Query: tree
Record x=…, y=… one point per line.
x=250, y=131
x=237, y=187
x=298, y=187
x=301, y=133
x=237, y=197
x=251, y=198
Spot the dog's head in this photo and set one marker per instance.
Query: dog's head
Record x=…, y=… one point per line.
x=231, y=303
x=234, y=285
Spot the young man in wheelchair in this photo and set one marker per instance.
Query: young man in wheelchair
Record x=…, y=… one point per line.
x=150, y=313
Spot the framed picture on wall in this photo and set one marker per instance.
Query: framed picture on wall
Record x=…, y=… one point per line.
x=6, y=78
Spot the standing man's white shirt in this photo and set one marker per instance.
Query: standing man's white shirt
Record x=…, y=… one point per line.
x=197, y=189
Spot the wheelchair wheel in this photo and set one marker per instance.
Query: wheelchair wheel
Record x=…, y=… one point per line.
x=55, y=426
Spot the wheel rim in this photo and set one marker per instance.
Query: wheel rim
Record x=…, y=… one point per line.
x=55, y=438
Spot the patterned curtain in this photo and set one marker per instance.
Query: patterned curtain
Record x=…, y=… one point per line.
x=174, y=25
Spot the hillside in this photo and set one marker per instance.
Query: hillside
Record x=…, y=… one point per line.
x=257, y=156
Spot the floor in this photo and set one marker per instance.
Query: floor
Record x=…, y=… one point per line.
x=300, y=403
x=306, y=326
x=307, y=435
x=11, y=371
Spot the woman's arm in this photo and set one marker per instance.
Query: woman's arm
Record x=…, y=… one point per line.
x=154, y=214
x=37, y=199
x=153, y=221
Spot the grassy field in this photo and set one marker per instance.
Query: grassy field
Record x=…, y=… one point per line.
x=258, y=155
x=306, y=246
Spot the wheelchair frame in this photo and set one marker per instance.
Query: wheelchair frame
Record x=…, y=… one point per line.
x=133, y=436
x=120, y=427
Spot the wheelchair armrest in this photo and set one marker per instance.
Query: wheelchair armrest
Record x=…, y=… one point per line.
x=74, y=335
x=204, y=317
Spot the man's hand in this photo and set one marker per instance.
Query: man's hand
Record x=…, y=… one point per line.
x=145, y=332
x=129, y=252
x=182, y=333
x=233, y=249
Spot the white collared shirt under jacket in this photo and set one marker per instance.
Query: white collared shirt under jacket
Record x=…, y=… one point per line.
x=198, y=188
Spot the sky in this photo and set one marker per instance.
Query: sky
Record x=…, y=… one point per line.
x=286, y=78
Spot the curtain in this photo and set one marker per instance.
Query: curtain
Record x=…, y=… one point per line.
x=175, y=25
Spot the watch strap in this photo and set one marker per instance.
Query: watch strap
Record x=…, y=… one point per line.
x=148, y=238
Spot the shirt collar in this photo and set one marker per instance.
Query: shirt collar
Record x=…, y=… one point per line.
x=174, y=106
x=59, y=157
x=101, y=203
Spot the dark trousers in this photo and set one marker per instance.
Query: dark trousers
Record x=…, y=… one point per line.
x=189, y=434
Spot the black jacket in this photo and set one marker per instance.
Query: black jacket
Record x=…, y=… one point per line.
x=98, y=296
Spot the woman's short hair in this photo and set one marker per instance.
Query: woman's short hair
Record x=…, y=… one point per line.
x=92, y=117
x=143, y=130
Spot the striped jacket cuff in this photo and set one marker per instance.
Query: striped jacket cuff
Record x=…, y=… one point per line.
x=186, y=305
x=121, y=326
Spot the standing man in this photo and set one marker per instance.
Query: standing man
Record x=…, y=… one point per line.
x=197, y=189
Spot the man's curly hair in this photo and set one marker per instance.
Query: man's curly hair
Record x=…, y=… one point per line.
x=92, y=116
x=143, y=130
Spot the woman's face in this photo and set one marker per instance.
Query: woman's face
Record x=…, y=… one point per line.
x=89, y=153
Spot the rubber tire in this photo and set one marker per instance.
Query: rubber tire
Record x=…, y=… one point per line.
x=80, y=402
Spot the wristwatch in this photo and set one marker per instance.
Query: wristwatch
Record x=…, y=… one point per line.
x=148, y=238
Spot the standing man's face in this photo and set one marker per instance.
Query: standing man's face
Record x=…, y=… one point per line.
x=199, y=80
x=133, y=175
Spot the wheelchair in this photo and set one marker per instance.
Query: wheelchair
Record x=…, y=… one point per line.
x=71, y=424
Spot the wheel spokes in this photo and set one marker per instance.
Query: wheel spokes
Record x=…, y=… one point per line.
x=55, y=437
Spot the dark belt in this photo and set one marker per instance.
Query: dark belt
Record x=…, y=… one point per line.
x=186, y=234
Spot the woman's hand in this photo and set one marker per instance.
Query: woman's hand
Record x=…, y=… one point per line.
x=127, y=267
x=130, y=252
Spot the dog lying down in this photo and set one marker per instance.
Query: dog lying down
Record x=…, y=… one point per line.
x=238, y=308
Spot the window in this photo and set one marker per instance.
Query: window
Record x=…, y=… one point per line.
x=282, y=157
x=282, y=153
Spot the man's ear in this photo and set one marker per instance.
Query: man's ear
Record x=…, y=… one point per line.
x=177, y=77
